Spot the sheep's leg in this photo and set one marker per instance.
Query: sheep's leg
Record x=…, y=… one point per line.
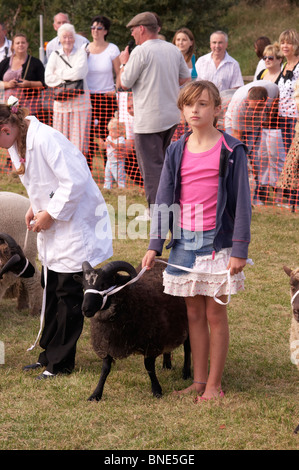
x=187, y=360
x=106, y=367
x=150, y=363
x=167, y=361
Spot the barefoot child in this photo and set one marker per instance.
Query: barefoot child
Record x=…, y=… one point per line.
x=205, y=177
x=67, y=211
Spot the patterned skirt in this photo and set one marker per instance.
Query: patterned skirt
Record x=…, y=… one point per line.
x=208, y=273
x=289, y=177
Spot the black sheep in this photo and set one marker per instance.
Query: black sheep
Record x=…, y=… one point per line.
x=138, y=319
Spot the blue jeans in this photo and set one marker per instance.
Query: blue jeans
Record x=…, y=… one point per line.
x=188, y=247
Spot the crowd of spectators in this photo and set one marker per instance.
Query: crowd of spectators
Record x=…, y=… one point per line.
x=153, y=72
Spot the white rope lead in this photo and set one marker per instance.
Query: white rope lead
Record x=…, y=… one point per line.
x=112, y=290
x=294, y=296
x=42, y=314
x=228, y=278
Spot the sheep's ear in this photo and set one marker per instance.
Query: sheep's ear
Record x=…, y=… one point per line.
x=78, y=278
x=287, y=270
x=86, y=266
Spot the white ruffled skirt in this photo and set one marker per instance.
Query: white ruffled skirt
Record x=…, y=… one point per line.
x=208, y=274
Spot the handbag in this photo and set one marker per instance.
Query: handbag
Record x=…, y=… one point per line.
x=70, y=88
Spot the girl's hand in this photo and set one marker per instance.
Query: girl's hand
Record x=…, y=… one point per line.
x=149, y=259
x=236, y=265
x=43, y=221
x=28, y=217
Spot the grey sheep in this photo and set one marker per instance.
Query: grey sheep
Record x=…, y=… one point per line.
x=13, y=208
x=139, y=319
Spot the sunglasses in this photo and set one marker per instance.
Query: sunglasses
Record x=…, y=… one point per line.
x=270, y=57
x=98, y=28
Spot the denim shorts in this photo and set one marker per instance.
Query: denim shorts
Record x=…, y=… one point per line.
x=188, y=247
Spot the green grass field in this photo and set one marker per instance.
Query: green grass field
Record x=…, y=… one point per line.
x=260, y=409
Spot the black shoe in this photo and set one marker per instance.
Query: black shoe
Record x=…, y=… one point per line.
x=45, y=376
x=36, y=365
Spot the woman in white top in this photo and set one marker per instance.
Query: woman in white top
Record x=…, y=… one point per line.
x=71, y=117
x=289, y=45
x=103, y=74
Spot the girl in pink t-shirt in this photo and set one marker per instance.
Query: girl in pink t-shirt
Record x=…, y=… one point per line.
x=199, y=179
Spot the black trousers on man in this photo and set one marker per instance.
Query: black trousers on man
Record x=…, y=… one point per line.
x=150, y=153
x=63, y=322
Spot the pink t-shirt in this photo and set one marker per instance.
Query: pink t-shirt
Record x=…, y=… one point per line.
x=199, y=188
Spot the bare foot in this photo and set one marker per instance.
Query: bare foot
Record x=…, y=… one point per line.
x=198, y=387
x=210, y=395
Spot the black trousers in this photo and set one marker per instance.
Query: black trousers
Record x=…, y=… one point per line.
x=150, y=153
x=63, y=322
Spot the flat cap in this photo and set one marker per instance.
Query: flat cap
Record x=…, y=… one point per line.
x=145, y=19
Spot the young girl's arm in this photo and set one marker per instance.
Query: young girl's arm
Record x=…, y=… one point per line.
x=236, y=265
x=28, y=217
x=149, y=259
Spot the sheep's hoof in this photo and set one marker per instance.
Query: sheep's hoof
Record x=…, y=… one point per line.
x=296, y=430
x=94, y=398
x=157, y=393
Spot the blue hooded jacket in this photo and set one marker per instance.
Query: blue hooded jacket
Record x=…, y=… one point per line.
x=233, y=214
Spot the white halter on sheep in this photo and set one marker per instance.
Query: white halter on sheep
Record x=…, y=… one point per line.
x=113, y=289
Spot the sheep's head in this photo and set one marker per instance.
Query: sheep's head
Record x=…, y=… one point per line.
x=96, y=282
x=294, y=283
x=12, y=258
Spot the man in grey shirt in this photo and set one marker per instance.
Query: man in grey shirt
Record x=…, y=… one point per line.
x=154, y=71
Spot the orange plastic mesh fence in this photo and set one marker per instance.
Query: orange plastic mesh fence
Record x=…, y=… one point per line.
x=273, y=151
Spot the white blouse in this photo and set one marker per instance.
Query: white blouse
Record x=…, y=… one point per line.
x=100, y=70
x=57, y=71
x=287, y=103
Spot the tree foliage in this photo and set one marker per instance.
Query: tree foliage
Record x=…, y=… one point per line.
x=201, y=16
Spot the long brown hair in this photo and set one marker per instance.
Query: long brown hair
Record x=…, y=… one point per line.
x=191, y=49
x=15, y=116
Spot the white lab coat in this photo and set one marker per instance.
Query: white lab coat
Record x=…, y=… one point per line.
x=57, y=179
